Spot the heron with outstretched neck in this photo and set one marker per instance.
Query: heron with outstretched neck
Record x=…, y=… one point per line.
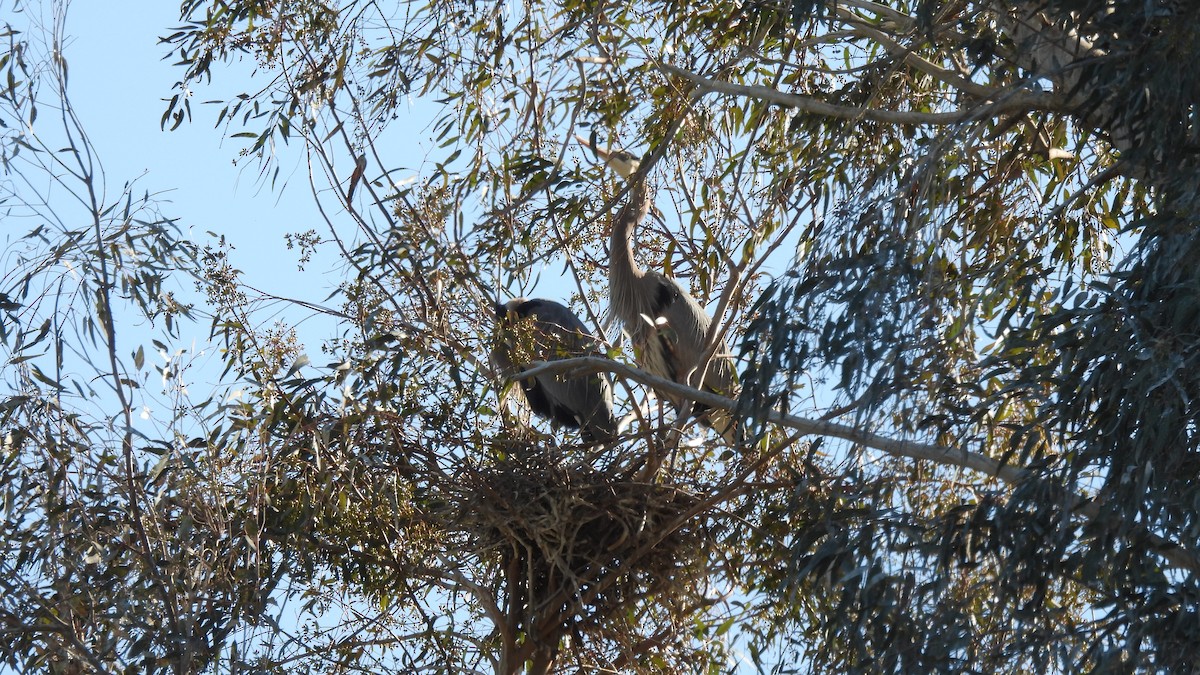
x=543, y=330
x=667, y=327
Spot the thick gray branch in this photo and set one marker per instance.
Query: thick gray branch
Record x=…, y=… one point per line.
x=1013, y=102
x=1174, y=554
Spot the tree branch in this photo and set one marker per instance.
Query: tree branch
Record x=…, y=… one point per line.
x=914, y=60
x=1016, y=101
x=1175, y=555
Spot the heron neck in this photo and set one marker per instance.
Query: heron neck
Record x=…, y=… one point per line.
x=628, y=218
x=625, y=276
x=622, y=266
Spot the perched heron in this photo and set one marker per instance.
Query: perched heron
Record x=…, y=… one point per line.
x=665, y=324
x=544, y=330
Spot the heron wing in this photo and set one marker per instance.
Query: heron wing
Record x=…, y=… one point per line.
x=584, y=401
x=682, y=324
x=673, y=348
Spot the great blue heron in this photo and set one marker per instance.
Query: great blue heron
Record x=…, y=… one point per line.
x=666, y=325
x=544, y=330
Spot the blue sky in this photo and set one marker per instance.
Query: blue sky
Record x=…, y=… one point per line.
x=119, y=84
x=120, y=79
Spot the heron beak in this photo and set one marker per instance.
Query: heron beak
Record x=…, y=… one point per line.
x=585, y=142
x=599, y=152
x=623, y=163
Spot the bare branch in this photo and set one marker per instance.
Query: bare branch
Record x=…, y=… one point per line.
x=1014, y=102
x=1175, y=555
x=916, y=61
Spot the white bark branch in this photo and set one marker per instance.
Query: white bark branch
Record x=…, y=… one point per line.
x=914, y=60
x=1013, y=102
x=1175, y=555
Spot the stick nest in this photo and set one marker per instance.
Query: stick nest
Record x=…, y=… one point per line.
x=575, y=545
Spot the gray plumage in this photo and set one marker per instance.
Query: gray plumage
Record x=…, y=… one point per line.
x=665, y=324
x=544, y=330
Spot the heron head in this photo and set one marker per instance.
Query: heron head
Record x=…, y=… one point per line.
x=622, y=161
x=504, y=308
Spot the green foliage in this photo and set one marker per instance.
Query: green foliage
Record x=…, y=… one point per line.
x=976, y=306
x=914, y=217
x=120, y=552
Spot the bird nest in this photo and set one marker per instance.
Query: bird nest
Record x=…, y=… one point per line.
x=575, y=544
